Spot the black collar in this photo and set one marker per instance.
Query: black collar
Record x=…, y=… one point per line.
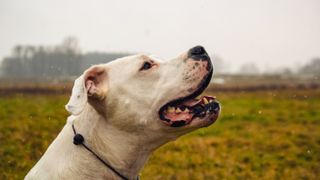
x=78, y=139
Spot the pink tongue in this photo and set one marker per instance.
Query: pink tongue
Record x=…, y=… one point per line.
x=176, y=117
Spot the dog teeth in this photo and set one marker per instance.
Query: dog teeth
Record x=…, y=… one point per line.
x=177, y=110
x=171, y=109
x=205, y=100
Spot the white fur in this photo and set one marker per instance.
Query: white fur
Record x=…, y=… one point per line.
x=117, y=113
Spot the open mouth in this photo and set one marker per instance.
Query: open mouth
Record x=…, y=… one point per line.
x=182, y=111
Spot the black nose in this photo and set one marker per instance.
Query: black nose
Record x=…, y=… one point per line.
x=198, y=53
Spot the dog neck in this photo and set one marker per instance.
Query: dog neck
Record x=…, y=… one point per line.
x=126, y=152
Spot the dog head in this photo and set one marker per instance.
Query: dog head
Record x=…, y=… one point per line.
x=140, y=92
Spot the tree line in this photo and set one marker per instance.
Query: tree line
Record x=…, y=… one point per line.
x=63, y=61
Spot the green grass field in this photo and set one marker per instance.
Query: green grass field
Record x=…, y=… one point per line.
x=260, y=135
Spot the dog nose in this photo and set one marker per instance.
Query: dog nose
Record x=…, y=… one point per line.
x=198, y=53
x=198, y=50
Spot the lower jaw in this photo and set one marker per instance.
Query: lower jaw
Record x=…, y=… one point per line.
x=207, y=121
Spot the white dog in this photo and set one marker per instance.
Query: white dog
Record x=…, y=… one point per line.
x=126, y=109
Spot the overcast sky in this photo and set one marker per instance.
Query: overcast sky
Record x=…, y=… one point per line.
x=271, y=33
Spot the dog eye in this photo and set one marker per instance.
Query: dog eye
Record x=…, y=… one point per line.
x=146, y=66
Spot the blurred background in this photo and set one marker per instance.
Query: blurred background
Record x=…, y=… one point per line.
x=267, y=68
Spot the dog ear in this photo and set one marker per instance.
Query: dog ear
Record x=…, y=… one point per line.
x=78, y=98
x=92, y=84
